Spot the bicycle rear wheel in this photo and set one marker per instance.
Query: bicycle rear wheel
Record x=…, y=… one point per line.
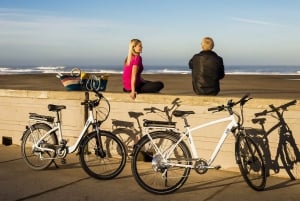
x=150, y=169
x=34, y=158
x=251, y=163
x=102, y=167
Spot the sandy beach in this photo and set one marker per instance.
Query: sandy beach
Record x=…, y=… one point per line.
x=259, y=86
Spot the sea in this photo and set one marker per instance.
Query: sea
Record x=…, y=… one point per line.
x=172, y=69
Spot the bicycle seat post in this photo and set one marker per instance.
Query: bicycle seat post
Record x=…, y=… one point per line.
x=186, y=124
x=58, y=116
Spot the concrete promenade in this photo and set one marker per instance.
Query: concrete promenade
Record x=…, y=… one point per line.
x=70, y=182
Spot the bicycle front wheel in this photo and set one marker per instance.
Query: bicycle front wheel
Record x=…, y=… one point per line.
x=251, y=163
x=33, y=157
x=290, y=157
x=105, y=166
x=155, y=173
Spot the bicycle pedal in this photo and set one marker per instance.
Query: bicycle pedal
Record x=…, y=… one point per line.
x=218, y=167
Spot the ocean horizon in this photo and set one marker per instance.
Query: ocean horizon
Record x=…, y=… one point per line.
x=171, y=69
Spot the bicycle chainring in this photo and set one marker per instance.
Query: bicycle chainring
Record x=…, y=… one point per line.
x=201, y=166
x=61, y=153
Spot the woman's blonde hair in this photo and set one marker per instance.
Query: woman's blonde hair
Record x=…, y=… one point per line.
x=207, y=43
x=132, y=44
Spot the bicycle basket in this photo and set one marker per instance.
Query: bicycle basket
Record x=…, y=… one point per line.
x=102, y=111
x=71, y=81
x=95, y=83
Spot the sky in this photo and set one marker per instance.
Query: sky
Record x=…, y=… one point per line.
x=97, y=32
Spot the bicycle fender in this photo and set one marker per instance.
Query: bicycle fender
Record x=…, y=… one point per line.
x=138, y=143
x=31, y=127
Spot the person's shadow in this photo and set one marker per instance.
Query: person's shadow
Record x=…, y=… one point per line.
x=287, y=150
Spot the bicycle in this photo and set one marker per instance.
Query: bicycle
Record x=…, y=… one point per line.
x=162, y=160
x=101, y=154
x=287, y=149
x=129, y=135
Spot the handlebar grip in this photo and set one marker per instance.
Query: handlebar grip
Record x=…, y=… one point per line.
x=218, y=108
x=245, y=96
x=147, y=109
x=243, y=100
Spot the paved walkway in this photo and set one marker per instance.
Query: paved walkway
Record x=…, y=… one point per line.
x=70, y=182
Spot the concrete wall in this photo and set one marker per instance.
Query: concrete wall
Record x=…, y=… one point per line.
x=16, y=104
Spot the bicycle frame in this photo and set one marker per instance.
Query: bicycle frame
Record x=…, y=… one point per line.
x=188, y=134
x=57, y=127
x=163, y=158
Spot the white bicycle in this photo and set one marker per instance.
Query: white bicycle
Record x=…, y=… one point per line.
x=102, y=155
x=162, y=161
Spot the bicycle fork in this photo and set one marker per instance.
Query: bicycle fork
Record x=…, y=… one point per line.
x=99, y=150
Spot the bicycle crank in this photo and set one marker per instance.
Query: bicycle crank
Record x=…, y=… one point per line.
x=201, y=166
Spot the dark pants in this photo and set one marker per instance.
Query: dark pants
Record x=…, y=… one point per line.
x=148, y=87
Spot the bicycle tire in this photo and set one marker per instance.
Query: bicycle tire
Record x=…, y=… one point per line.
x=107, y=167
x=251, y=163
x=33, y=157
x=290, y=158
x=147, y=167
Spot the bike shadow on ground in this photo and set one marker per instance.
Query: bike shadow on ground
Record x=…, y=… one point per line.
x=285, y=155
x=192, y=186
x=70, y=163
x=76, y=165
x=282, y=184
x=274, y=184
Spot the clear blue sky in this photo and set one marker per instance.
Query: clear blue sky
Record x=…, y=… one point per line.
x=97, y=32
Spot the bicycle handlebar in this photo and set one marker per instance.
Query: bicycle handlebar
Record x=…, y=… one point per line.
x=274, y=109
x=93, y=103
x=230, y=104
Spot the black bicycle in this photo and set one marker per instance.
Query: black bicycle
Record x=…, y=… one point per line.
x=287, y=149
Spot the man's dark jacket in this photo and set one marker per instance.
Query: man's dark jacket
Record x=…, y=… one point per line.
x=207, y=69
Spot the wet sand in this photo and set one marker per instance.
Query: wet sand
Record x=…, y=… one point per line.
x=259, y=86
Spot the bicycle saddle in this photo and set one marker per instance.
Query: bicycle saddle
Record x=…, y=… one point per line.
x=180, y=113
x=135, y=114
x=56, y=108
